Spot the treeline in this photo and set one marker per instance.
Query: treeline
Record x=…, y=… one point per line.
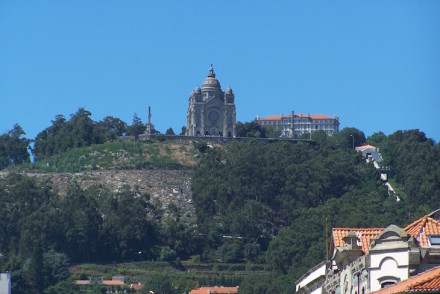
x=79, y=131
x=274, y=200
x=64, y=134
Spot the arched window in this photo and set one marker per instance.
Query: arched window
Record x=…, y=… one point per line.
x=388, y=281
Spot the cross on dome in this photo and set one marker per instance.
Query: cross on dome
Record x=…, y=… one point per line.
x=211, y=72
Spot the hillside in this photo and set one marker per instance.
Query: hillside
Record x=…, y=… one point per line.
x=191, y=203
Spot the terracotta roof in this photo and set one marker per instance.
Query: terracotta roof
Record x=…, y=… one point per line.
x=215, y=289
x=320, y=116
x=137, y=287
x=271, y=117
x=365, y=235
x=112, y=282
x=422, y=228
x=82, y=282
x=362, y=148
x=279, y=117
x=428, y=281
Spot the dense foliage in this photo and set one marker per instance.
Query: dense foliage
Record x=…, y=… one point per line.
x=79, y=131
x=86, y=225
x=253, y=192
x=256, y=203
x=415, y=164
x=13, y=147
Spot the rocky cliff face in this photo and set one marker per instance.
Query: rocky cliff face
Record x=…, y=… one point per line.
x=164, y=186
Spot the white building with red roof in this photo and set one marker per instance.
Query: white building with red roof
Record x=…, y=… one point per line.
x=301, y=124
x=366, y=260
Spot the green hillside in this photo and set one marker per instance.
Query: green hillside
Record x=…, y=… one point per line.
x=118, y=155
x=260, y=208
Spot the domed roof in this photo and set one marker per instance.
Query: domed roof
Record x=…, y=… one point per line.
x=211, y=83
x=228, y=90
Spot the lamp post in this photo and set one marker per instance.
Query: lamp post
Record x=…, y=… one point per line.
x=352, y=140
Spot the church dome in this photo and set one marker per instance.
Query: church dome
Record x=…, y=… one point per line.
x=211, y=83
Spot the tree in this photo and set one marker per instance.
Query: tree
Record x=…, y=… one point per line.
x=271, y=132
x=14, y=147
x=377, y=139
x=79, y=131
x=251, y=129
x=170, y=131
x=349, y=138
x=56, y=267
x=183, y=131
x=160, y=283
x=35, y=270
x=111, y=128
x=137, y=127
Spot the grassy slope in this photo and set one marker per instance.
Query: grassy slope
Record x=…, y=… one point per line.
x=119, y=155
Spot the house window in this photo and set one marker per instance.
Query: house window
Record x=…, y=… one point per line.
x=386, y=284
x=434, y=239
x=388, y=281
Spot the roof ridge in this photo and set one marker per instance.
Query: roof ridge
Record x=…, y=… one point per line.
x=414, y=223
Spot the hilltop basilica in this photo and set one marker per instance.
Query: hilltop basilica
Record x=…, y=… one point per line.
x=211, y=112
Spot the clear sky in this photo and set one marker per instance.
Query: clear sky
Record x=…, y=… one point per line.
x=376, y=64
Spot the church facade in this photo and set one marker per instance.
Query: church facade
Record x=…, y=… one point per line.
x=211, y=112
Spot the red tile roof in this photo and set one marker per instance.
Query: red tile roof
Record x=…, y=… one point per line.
x=112, y=282
x=300, y=115
x=317, y=116
x=428, y=281
x=215, y=289
x=422, y=228
x=271, y=117
x=362, y=148
x=419, y=229
x=364, y=234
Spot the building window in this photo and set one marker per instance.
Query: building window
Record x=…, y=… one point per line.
x=388, y=281
x=434, y=239
x=386, y=284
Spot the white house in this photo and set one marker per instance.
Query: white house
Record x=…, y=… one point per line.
x=366, y=260
x=312, y=281
x=5, y=283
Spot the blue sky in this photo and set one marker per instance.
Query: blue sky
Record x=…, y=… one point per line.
x=376, y=64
